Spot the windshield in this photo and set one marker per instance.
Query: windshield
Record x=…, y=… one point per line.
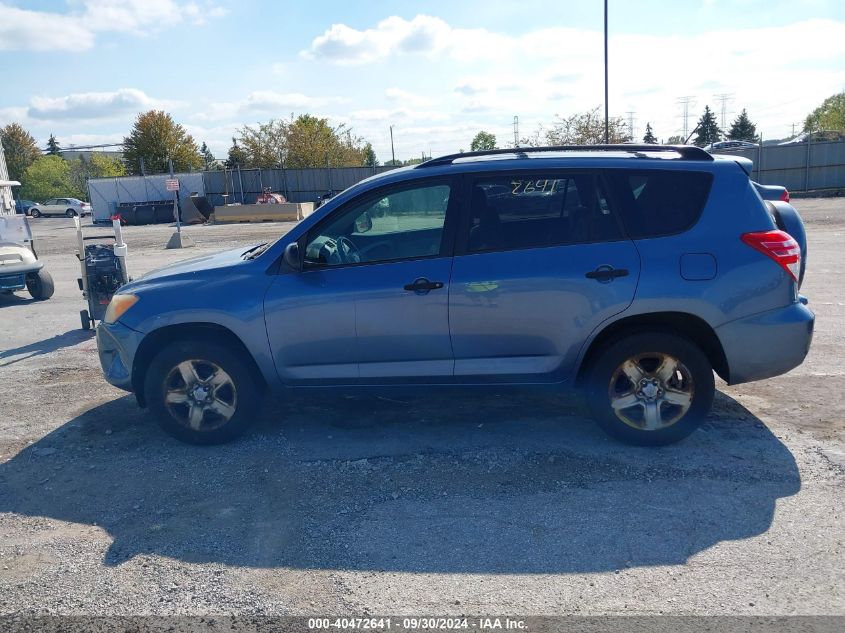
x=14, y=229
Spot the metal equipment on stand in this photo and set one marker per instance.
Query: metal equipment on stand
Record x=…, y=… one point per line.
x=103, y=271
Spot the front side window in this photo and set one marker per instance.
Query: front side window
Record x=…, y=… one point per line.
x=404, y=223
x=538, y=210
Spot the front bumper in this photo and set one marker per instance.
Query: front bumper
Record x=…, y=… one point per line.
x=116, y=346
x=767, y=344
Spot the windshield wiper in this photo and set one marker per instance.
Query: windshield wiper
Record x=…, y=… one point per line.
x=255, y=251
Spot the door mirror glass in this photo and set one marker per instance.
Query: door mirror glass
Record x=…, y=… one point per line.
x=363, y=223
x=291, y=256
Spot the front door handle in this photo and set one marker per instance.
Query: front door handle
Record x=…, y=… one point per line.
x=606, y=273
x=423, y=285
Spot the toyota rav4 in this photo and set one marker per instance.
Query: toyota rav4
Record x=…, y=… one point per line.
x=630, y=272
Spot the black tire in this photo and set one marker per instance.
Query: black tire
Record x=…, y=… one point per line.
x=85, y=319
x=40, y=285
x=693, y=381
x=35, y=213
x=70, y=213
x=244, y=396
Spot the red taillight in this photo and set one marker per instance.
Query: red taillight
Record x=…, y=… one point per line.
x=778, y=245
x=785, y=196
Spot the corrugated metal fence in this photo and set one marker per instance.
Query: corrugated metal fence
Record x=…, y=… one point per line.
x=225, y=187
x=297, y=185
x=798, y=167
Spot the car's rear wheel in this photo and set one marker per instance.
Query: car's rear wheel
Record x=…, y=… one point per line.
x=202, y=392
x=35, y=213
x=40, y=285
x=70, y=213
x=651, y=389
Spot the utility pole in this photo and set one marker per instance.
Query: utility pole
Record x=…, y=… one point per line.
x=724, y=98
x=686, y=103
x=606, y=105
x=631, y=114
x=392, y=153
x=515, y=131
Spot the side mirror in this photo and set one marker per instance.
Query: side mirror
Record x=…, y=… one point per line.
x=291, y=256
x=363, y=223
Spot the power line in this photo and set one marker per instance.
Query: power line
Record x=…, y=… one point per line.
x=686, y=102
x=631, y=121
x=724, y=98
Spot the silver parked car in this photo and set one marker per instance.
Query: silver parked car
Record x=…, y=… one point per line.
x=69, y=207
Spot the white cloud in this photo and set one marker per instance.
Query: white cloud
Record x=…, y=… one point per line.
x=91, y=105
x=389, y=115
x=407, y=98
x=21, y=29
x=424, y=34
x=26, y=29
x=263, y=102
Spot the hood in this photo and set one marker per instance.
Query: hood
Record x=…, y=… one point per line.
x=191, y=268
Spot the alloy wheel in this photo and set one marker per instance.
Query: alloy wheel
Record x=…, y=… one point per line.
x=651, y=391
x=200, y=395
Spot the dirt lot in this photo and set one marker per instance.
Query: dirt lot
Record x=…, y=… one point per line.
x=443, y=505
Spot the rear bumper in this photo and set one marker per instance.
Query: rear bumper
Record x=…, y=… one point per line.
x=767, y=344
x=116, y=346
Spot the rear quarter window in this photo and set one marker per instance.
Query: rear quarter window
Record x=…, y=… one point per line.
x=656, y=202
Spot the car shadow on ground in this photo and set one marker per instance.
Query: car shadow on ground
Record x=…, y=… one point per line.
x=45, y=346
x=516, y=483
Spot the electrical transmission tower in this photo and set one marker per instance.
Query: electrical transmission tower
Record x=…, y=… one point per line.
x=724, y=98
x=516, y=131
x=631, y=121
x=686, y=103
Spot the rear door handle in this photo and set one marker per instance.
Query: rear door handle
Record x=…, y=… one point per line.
x=606, y=273
x=422, y=285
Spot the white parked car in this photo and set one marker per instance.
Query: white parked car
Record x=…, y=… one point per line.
x=68, y=207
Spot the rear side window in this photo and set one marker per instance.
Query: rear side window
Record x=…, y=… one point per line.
x=512, y=212
x=655, y=203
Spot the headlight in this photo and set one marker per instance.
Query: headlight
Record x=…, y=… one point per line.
x=118, y=305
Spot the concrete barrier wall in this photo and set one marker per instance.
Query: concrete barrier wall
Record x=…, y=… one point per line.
x=286, y=212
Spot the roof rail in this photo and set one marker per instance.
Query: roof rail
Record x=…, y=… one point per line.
x=688, y=152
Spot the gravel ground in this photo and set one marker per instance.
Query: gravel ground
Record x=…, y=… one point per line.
x=449, y=504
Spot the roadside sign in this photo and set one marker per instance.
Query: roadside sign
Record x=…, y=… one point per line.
x=172, y=184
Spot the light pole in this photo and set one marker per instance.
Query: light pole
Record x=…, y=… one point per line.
x=392, y=153
x=606, y=117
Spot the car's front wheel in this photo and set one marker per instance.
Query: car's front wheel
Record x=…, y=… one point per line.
x=652, y=388
x=35, y=213
x=202, y=392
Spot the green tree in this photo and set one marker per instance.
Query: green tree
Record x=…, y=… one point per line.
x=98, y=166
x=649, y=137
x=207, y=156
x=586, y=128
x=49, y=177
x=742, y=129
x=708, y=130
x=20, y=150
x=155, y=138
x=370, y=159
x=483, y=141
x=236, y=156
x=53, y=146
x=830, y=115
x=263, y=145
x=312, y=142
x=675, y=139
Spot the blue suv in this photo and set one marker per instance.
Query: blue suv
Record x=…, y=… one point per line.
x=632, y=272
